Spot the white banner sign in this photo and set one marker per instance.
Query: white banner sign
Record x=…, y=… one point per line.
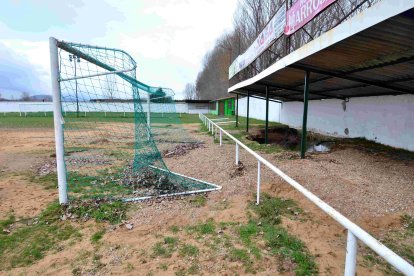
x=273, y=30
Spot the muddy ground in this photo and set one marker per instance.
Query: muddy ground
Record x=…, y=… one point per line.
x=372, y=190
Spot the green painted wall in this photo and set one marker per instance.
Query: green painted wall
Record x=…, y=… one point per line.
x=214, y=111
x=229, y=107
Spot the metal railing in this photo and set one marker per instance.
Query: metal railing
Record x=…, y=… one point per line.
x=355, y=232
x=334, y=15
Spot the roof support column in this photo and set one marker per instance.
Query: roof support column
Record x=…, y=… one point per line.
x=267, y=115
x=237, y=110
x=305, y=115
x=248, y=110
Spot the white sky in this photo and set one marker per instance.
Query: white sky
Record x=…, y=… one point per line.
x=167, y=38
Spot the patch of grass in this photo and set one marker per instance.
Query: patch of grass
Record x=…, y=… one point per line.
x=204, y=129
x=110, y=211
x=188, y=250
x=163, y=266
x=198, y=200
x=4, y=224
x=28, y=244
x=165, y=248
x=281, y=243
x=203, y=228
x=33, y=120
x=243, y=256
x=408, y=223
x=48, y=181
x=289, y=247
x=194, y=269
x=171, y=241
x=13, y=120
x=401, y=241
x=175, y=229
x=129, y=267
x=97, y=236
x=247, y=231
x=271, y=209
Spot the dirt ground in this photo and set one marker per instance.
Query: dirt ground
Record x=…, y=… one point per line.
x=371, y=190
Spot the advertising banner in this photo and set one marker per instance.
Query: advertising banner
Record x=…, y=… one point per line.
x=273, y=30
x=302, y=12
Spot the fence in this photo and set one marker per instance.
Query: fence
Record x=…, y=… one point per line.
x=355, y=233
x=332, y=16
x=25, y=108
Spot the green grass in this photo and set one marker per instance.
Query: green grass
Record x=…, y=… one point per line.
x=48, y=181
x=271, y=209
x=281, y=243
x=206, y=228
x=198, y=201
x=188, y=250
x=112, y=211
x=97, y=236
x=27, y=244
x=241, y=134
x=401, y=241
x=408, y=222
x=163, y=266
x=165, y=248
x=33, y=120
x=253, y=123
x=175, y=229
x=248, y=243
x=4, y=224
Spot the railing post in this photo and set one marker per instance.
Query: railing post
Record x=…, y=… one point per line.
x=221, y=139
x=305, y=115
x=351, y=254
x=237, y=153
x=258, y=183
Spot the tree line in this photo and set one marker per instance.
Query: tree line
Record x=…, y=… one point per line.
x=249, y=19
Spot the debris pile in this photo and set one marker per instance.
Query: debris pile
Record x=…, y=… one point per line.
x=88, y=160
x=182, y=149
x=238, y=170
x=149, y=182
x=47, y=168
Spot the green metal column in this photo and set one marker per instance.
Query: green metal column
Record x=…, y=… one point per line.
x=267, y=115
x=248, y=107
x=237, y=110
x=305, y=115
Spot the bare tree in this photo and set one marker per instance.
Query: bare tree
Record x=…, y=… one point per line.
x=250, y=18
x=190, y=92
x=25, y=97
x=110, y=87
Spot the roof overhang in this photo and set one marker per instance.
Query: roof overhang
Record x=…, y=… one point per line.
x=371, y=54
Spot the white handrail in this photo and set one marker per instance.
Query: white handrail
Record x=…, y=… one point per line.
x=353, y=229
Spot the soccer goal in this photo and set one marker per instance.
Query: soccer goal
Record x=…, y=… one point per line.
x=111, y=129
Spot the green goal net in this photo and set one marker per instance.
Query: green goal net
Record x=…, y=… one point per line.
x=117, y=129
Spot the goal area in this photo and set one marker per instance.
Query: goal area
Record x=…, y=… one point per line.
x=111, y=130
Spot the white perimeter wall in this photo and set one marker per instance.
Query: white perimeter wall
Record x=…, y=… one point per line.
x=180, y=107
x=387, y=120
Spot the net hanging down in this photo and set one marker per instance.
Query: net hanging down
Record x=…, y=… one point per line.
x=116, y=128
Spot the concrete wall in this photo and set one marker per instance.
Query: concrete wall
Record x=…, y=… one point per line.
x=387, y=120
x=258, y=109
x=179, y=107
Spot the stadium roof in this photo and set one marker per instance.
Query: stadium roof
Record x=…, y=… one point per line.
x=371, y=54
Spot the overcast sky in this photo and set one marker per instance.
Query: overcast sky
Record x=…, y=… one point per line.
x=167, y=38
